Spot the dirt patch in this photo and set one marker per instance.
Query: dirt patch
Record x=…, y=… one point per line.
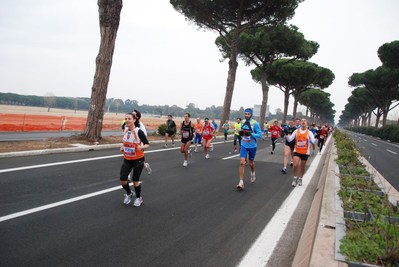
x=62, y=142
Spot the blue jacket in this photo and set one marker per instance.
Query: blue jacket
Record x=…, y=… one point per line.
x=256, y=134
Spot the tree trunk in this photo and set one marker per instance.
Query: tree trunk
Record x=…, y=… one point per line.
x=286, y=102
x=231, y=78
x=377, y=119
x=109, y=14
x=295, y=107
x=369, y=121
x=265, y=91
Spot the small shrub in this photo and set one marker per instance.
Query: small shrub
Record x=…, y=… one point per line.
x=162, y=129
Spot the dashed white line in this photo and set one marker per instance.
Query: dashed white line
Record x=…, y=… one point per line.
x=374, y=144
x=392, y=152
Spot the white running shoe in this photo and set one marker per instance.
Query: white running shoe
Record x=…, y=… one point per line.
x=148, y=168
x=211, y=148
x=253, y=178
x=128, y=198
x=173, y=145
x=300, y=182
x=294, y=182
x=240, y=185
x=207, y=156
x=190, y=153
x=165, y=146
x=138, y=201
x=185, y=163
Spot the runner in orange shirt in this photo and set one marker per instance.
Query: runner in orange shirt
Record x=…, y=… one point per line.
x=304, y=138
x=198, y=134
x=134, y=143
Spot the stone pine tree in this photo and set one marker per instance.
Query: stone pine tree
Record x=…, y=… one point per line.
x=296, y=77
x=230, y=18
x=262, y=46
x=383, y=84
x=109, y=15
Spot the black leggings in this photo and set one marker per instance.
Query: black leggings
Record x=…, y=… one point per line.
x=235, y=139
x=127, y=166
x=320, y=144
x=274, y=141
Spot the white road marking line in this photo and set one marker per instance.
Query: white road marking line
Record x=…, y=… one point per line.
x=374, y=144
x=365, y=140
x=262, y=249
x=57, y=163
x=77, y=161
x=231, y=157
x=392, y=152
x=56, y=204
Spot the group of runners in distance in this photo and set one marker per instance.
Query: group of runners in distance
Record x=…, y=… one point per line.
x=300, y=143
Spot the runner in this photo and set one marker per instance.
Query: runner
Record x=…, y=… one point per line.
x=250, y=131
x=266, y=127
x=322, y=136
x=198, y=134
x=170, y=131
x=226, y=128
x=289, y=146
x=304, y=138
x=208, y=131
x=215, y=125
x=237, y=129
x=298, y=123
x=137, y=114
x=134, y=144
x=186, y=132
x=313, y=130
x=275, y=133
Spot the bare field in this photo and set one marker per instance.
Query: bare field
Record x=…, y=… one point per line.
x=23, y=118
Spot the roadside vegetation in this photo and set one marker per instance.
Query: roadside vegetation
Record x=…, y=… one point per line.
x=372, y=233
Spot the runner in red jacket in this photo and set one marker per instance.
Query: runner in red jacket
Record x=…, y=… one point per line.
x=275, y=131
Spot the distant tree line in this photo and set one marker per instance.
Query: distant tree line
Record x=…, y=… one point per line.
x=117, y=106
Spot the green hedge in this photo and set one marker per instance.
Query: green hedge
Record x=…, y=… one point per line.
x=389, y=132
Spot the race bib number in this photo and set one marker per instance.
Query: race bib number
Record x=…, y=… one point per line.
x=301, y=143
x=186, y=134
x=206, y=132
x=198, y=130
x=322, y=137
x=129, y=150
x=246, y=139
x=275, y=132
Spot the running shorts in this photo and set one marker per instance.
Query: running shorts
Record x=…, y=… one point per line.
x=170, y=133
x=244, y=151
x=301, y=156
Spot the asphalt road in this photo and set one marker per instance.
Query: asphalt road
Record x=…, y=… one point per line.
x=191, y=216
x=384, y=156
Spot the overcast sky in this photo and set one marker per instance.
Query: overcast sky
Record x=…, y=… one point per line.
x=49, y=46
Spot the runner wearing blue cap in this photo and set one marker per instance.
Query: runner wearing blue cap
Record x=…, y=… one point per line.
x=250, y=131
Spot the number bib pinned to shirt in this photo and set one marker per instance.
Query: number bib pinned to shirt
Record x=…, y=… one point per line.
x=246, y=139
x=129, y=150
x=301, y=143
x=186, y=134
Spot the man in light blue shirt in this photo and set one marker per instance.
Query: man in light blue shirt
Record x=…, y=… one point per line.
x=250, y=131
